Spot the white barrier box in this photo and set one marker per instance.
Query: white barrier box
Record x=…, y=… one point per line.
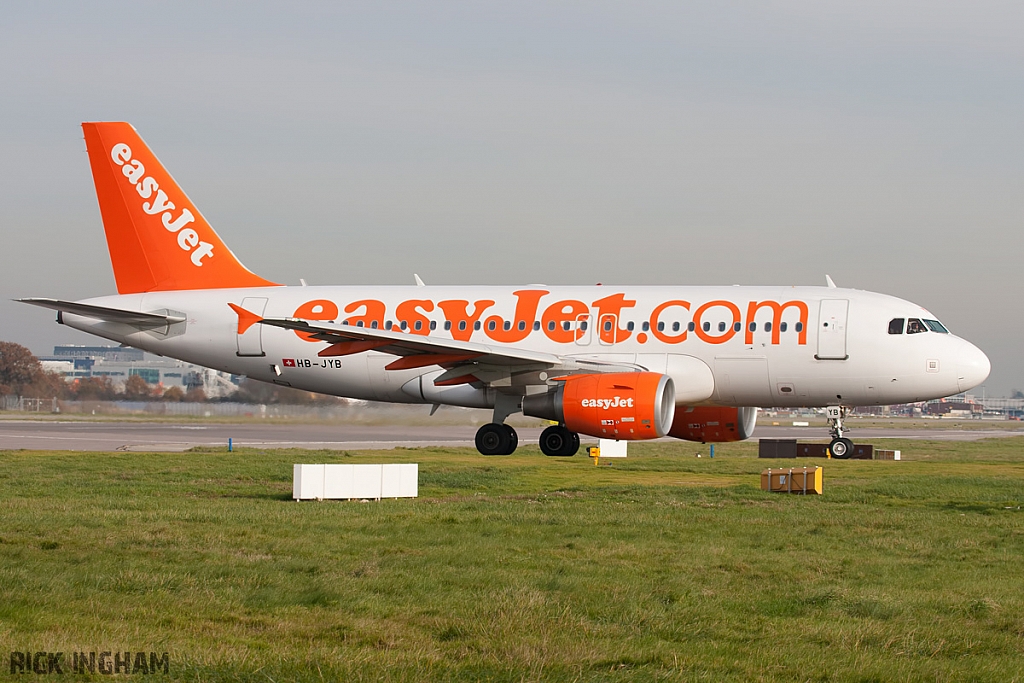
x=321, y=482
x=308, y=482
x=610, y=448
x=340, y=484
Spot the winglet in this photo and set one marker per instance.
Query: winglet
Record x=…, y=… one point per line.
x=246, y=319
x=829, y=283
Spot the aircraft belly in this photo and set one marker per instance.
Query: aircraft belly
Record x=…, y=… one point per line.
x=742, y=381
x=386, y=385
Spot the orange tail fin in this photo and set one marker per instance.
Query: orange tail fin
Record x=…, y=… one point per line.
x=157, y=239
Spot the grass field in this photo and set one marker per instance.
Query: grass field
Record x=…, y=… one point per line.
x=662, y=567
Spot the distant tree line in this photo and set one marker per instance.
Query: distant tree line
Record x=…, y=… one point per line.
x=21, y=374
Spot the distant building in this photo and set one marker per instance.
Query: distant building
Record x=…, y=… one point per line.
x=118, y=363
x=107, y=353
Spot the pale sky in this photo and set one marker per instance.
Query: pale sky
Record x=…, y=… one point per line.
x=633, y=143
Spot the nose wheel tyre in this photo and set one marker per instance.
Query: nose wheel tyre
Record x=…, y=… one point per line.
x=496, y=439
x=559, y=441
x=841, y=449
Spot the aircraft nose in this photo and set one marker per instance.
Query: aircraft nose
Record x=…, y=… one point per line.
x=972, y=367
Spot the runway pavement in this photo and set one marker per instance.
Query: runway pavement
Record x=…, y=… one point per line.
x=161, y=436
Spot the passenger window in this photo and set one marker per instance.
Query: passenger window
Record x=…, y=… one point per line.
x=936, y=326
x=404, y=325
x=646, y=326
x=675, y=327
x=536, y=325
x=388, y=325
x=551, y=325
x=476, y=325
x=507, y=326
x=661, y=327
x=607, y=325
x=737, y=327
x=799, y=327
x=707, y=327
x=783, y=327
x=896, y=326
x=433, y=324
x=522, y=325
x=721, y=327
x=490, y=325
x=629, y=326
x=359, y=324
x=447, y=324
x=767, y=327
x=419, y=325
x=566, y=326
x=753, y=327
x=583, y=325
x=690, y=326
x=373, y=324
x=915, y=326
x=462, y=324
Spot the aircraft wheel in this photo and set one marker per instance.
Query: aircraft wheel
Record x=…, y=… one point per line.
x=513, y=440
x=841, y=449
x=494, y=439
x=559, y=441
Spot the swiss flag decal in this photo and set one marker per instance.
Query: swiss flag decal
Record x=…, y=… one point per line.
x=288, y=362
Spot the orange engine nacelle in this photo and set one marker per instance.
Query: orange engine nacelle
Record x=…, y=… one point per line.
x=711, y=424
x=623, y=405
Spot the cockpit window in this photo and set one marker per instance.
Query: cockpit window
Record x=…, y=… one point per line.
x=914, y=326
x=896, y=326
x=936, y=326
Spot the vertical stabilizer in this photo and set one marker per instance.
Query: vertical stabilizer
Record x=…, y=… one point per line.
x=158, y=240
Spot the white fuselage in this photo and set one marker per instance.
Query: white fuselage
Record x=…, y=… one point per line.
x=816, y=346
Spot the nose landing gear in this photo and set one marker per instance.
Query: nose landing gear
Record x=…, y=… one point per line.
x=841, y=448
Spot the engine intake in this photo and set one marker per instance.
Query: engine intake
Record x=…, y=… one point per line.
x=628, y=406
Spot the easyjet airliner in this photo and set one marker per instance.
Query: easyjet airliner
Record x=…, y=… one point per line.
x=613, y=362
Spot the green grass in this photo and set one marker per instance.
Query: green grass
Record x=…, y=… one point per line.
x=661, y=567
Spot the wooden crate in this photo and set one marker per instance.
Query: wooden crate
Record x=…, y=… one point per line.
x=802, y=480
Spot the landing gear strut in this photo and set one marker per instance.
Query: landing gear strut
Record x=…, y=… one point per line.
x=559, y=441
x=841, y=448
x=496, y=439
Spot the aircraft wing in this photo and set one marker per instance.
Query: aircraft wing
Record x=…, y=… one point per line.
x=464, y=361
x=113, y=315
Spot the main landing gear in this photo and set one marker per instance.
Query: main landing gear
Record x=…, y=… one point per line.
x=500, y=439
x=496, y=439
x=841, y=448
x=559, y=441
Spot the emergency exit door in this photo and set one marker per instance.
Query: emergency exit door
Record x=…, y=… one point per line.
x=832, y=329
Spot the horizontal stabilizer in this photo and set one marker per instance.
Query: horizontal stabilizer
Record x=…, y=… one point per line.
x=112, y=315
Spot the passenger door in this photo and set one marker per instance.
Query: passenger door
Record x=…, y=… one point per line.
x=832, y=329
